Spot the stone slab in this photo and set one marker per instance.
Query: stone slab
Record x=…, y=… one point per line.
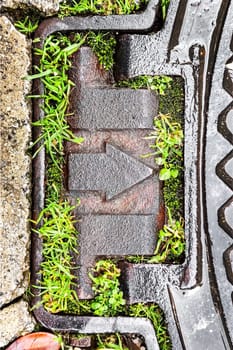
x=15, y=321
x=48, y=7
x=15, y=163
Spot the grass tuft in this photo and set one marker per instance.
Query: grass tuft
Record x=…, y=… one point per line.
x=112, y=342
x=99, y=7
x=155, y=315
x=59, y=238
x=53, y=72
x=168, y=146
x=27, y=26
x=158, y=84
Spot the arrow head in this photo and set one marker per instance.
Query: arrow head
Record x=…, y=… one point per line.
x=125, y=171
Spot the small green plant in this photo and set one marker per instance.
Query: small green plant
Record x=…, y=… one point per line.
x=112, y=342
x=156, y=83
x=168, y=152
x=153, y=313
x=103, y=45
x=27, y=26
x=168, y=146
x=99, y=7
x=172, y=102
x=170, y=243
x=109, y=299
x=164, y=6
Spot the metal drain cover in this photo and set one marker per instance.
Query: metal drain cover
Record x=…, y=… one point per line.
x=120, y=192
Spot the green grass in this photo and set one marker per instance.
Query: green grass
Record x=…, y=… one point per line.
x=167, y=150
x=59, y=238
x=168, y=146
x=171, y=242
x=158, y=84
x=113, y=342
x=164, y=6
x=53, y=72
x=156, y=316
x=99, y=7
x=57, y=231
x=27, y=26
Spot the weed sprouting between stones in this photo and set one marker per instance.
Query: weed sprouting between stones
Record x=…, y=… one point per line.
x=168, y=153
x=27, y=26
x=156, y=316
x=110, y=342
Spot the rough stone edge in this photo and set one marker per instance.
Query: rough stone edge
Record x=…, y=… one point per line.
x=12, y=327
x=46, y=7
x=15, y=318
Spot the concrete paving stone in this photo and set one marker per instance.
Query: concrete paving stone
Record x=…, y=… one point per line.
x=14, y=163
x=48, y=7
x=15, y=321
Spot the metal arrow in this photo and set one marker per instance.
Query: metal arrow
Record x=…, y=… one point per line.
x=112, y=172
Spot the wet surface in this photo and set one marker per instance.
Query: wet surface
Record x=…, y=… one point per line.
x=195, y=43
x=109, y=166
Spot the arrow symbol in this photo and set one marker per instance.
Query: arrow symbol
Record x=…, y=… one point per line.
x=112, y=172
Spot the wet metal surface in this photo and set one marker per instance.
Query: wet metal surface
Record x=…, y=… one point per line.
x=108, y=165
x=195, y=43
